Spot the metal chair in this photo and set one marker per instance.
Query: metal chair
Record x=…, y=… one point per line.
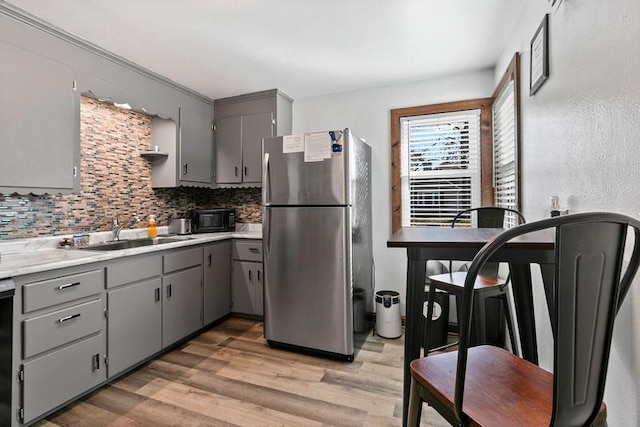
x=490, y=288
x=489, y=386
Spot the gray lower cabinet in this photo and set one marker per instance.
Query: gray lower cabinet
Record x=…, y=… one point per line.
x=135, y=324
x=247, y=278
x=62, y=345
x=134, y=307
x=247, y=288
x=58, y=377
x=182, y=294
x=39, y=122
x=181, y=311
x=216, y=281
x=68, y=339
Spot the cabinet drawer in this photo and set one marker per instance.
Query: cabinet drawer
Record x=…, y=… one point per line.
x=133, y=270
x=182, y=259
x=48, y=293
x=60, y=327
x=248, y=251
x=56, y=378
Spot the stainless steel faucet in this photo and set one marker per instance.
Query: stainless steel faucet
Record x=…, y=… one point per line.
x=117, y=227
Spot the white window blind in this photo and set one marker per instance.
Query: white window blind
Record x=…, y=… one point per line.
x=440, y=167
x=504, y=152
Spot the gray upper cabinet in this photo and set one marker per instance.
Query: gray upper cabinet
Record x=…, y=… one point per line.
x=196, y=147
x=229, y=149
x=43, y=73
x=240, y=124
x=39, y=122
x=188, y=145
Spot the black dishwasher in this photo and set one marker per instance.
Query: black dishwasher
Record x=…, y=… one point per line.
x=7, y=289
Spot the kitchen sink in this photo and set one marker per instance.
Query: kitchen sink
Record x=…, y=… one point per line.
x=132, y=243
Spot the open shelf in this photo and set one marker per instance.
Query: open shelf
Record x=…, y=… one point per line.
x=153, y=154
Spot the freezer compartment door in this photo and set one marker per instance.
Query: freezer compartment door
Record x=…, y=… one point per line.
x=290, y=180
x=307, y=278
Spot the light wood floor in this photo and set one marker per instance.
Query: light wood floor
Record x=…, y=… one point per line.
x=228, y=375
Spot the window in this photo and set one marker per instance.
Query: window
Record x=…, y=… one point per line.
x=449, y=157
x=437, y=163
x=440, y=171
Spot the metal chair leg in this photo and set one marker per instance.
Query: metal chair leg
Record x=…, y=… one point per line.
x=415, y=405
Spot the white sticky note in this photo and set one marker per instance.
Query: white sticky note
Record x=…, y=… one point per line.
x=317, y=146
x=293, y=144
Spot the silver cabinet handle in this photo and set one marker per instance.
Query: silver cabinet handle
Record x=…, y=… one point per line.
x=169, y=291
x=245, y=171
x=250, y=275
x=68, y=285
x=254, y=250
x=67, y=318
x=186, y=168
x=258, y=275
x=209, y=260
x=235, y=171
x=156, y=294
x=96, y=361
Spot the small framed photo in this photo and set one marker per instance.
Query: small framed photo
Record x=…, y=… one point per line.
x=539, y=64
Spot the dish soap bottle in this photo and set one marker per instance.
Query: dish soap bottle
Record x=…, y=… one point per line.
x=152, y=229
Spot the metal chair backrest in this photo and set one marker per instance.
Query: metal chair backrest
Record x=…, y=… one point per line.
x=588, y=291
x=486, y=217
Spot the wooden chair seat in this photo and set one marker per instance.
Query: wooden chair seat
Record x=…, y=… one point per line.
x=498, y=388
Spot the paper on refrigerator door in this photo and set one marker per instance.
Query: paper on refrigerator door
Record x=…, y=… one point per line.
x=292, y=144
x=317, y=146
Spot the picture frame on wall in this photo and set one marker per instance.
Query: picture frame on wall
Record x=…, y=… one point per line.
x=539, y=64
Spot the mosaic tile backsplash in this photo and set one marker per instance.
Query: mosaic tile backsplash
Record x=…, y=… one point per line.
x=115, y=181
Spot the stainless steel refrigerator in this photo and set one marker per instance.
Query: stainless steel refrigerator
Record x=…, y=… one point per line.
x=318, y=260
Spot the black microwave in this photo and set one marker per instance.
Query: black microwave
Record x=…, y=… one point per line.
x=212, y=220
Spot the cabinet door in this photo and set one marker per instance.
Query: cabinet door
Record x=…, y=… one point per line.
x=229, y=150
x=242, y=291
x=254, y=128
x=39, y=122
x=247, y=292
x=58, y=377
x=134, y=325
x=217, y=281
x=196, y=147
x=259, y=300
x=182, y=304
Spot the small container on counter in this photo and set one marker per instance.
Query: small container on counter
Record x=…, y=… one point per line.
x=152, y=228
x=80, y=240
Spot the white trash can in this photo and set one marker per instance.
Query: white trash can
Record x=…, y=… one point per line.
x=388, y=314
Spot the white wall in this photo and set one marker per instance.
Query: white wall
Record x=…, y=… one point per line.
x=368, y=113
x=580, y=141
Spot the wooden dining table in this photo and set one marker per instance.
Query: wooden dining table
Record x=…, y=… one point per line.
x=443, y=243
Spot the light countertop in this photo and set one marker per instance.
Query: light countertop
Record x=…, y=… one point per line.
x=28, y=256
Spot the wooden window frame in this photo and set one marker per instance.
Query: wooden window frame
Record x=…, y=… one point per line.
x=486, y=146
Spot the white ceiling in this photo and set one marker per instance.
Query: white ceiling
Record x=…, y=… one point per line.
x=305, y=48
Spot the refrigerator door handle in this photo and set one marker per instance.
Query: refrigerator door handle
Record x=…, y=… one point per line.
x=266, y=232
x=266, y=194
